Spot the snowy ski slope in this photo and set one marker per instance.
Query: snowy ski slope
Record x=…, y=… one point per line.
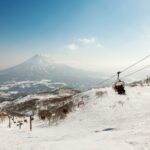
x=112, y=122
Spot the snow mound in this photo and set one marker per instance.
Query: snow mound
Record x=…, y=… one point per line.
x=109, y=122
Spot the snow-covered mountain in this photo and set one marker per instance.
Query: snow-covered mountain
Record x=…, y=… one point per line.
x=41, y=67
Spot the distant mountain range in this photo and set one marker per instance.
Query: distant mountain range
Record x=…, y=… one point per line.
x=41, y=67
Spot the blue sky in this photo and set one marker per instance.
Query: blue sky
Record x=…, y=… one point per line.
x=90, y=34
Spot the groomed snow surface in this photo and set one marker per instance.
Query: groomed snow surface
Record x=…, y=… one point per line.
x=112, y=122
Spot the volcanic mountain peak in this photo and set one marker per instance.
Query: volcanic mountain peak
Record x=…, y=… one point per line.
x=41, y=67
x=40, y=60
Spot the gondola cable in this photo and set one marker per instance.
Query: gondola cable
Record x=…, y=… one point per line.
x=147, y=66
x=139, y=61
x=127, y=68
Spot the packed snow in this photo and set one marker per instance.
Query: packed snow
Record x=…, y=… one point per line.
x=36, y=96
x=108, y=122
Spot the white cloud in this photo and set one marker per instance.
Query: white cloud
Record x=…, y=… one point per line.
x=72, y=46
x=90, y=42
x=85, y=42
x=99, y=45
